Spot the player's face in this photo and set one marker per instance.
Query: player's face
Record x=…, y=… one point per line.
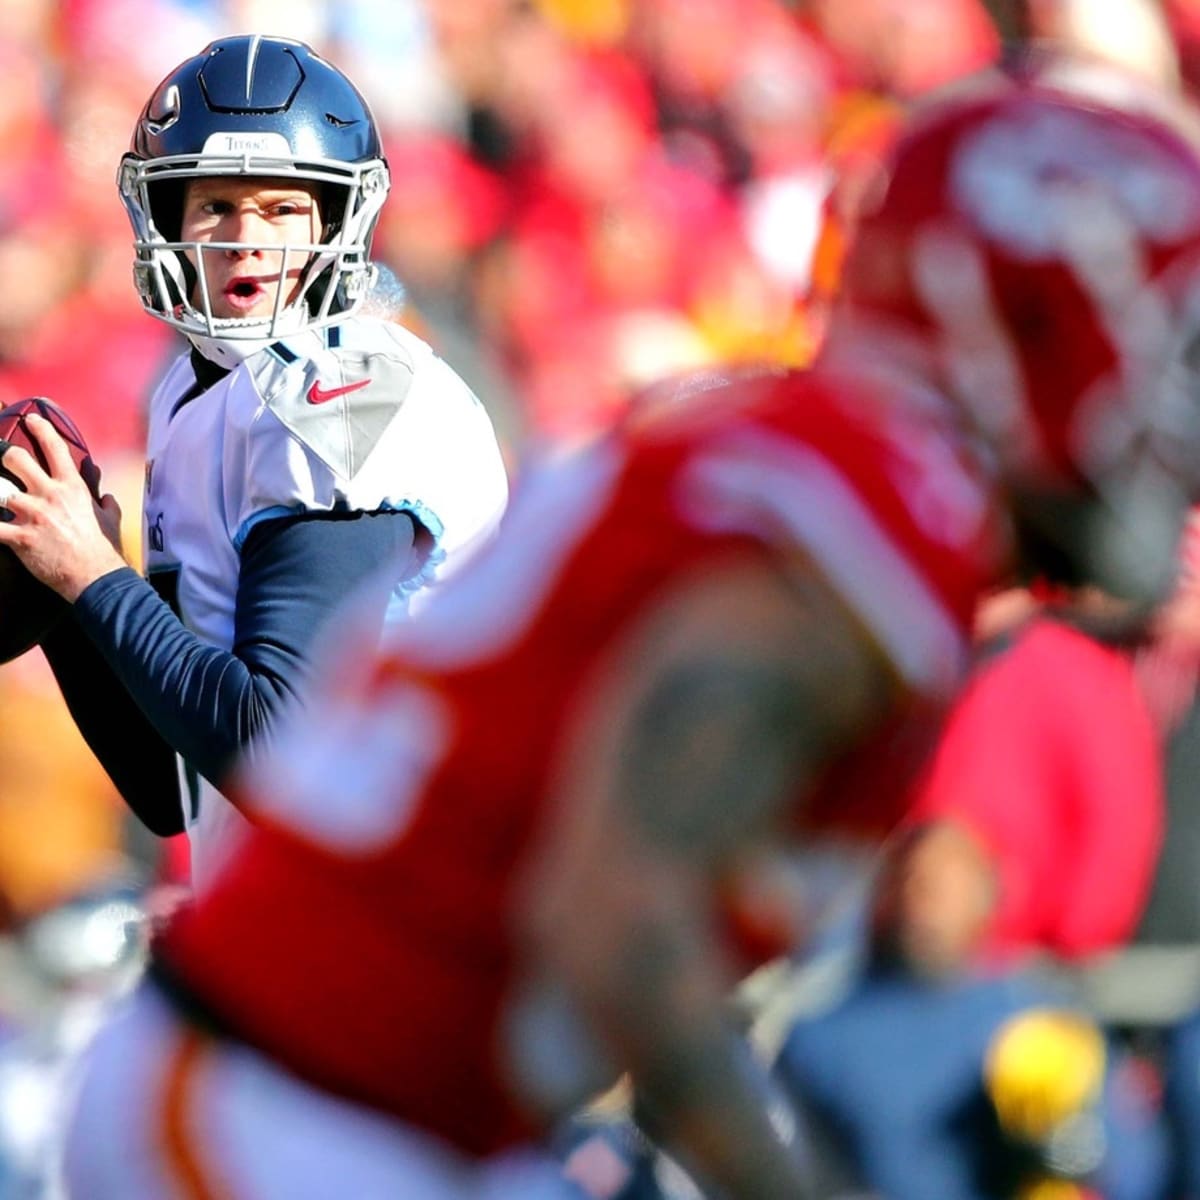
x=259, y=214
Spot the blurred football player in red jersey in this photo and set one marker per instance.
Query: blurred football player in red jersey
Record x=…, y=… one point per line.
x=535, y=841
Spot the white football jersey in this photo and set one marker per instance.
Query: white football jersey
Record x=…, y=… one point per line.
x=359, y=417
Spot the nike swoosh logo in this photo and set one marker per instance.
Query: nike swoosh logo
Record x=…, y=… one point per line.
x=319, y=395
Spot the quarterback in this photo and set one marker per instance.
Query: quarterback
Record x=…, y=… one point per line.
x=297, y=454
x=535, y=839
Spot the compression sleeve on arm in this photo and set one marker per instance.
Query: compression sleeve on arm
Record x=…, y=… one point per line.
x=209, y=704
x=140, y=764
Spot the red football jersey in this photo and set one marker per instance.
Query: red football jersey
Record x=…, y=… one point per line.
x=364, y=933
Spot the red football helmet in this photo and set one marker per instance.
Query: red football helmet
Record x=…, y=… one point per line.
x=1036, y=250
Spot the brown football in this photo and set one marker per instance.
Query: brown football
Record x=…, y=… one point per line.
x=29, y=609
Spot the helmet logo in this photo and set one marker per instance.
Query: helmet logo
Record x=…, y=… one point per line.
x=164, y=114
x=1027, y=177
x=266, y=145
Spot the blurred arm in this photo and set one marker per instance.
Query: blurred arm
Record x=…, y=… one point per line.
x=1011, y=18
x=714, y=716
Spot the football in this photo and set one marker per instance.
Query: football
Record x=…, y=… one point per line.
x=28, y=609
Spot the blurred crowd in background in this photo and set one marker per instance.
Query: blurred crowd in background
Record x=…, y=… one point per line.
x=587, y=195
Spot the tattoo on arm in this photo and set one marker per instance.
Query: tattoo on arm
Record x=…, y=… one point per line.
x=713, y=748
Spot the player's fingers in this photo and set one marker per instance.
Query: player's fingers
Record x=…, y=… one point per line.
x=17, y=461
x=18, y=502
x=54, y=447
x=110, y=519
x=17, y=507
x=91, y=475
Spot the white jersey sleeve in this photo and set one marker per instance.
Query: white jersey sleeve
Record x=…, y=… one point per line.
x=373, y=421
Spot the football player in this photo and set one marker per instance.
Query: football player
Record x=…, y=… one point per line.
x=536, y=839
x=297, y=453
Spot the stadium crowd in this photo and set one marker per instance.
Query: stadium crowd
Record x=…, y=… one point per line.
x=590, y=195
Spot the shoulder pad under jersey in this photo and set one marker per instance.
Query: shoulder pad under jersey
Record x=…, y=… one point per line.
x=336, y=400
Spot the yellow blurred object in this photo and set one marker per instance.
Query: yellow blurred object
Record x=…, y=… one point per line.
x=765, y=329
x=60, y=817
x=1044, y=1067
x=592, y=22
x=1051, y=1189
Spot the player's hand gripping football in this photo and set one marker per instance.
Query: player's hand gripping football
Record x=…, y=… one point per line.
x=56, y=527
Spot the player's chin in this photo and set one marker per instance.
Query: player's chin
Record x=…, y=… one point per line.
x=262, y=308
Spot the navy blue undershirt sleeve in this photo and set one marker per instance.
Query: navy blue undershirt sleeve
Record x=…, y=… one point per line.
x=140, y=764
x=208, y=704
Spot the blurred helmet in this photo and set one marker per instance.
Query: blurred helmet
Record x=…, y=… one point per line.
x=262, y=107
x=1035, y=248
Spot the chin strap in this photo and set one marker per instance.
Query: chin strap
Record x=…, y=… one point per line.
x=241, y=343
x=227, y=354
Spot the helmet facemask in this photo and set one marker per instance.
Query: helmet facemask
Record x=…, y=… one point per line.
x=1143, y=454
x=336, y=273
x=1100, y=483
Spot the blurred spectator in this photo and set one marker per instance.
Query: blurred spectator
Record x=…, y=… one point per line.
x=1181, y=1102
x=1133, y=33
x=589, y=22
x=96, y=36
x=446, y=207
x=1036, y=833
x=778, y=109
x=76, y=337
x=390, y=48
x=927, y=1074
x=694, y=56
x=443, y=209
x=1051, y=759
x=906, y=47
x=605, y=231
x=1183, y=19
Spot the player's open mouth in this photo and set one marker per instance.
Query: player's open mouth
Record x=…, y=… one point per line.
x=243, y=293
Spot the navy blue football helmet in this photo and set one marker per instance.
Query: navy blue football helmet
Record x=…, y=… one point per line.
x=265, y=107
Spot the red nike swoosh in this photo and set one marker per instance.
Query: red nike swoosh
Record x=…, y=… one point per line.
x=319, y=395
